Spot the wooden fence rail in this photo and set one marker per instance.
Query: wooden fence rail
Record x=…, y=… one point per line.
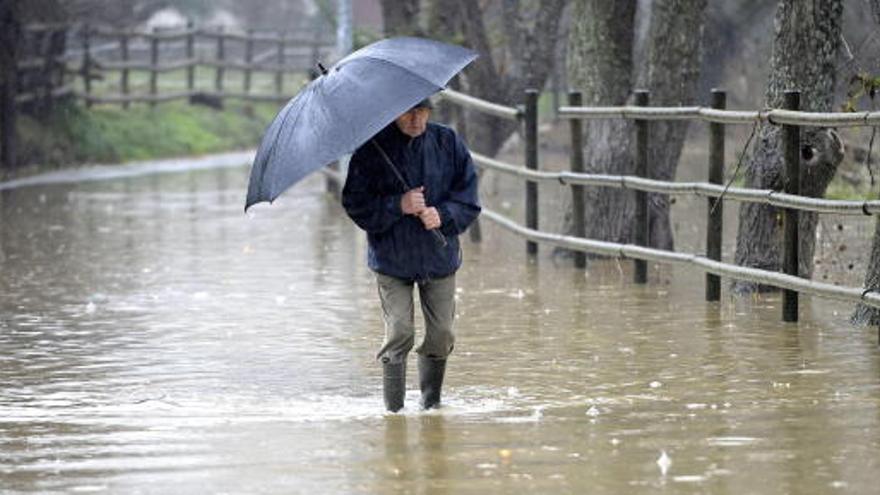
x=790, y=118
x=219, y=61
x=56, y=69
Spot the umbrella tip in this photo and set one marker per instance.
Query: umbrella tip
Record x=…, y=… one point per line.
x=323, y=69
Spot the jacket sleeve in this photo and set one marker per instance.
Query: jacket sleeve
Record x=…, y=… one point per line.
x=463, y=204
x=360, y=198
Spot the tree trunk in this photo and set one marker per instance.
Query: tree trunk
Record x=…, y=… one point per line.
x=671, y=74
x=401, y=17
x=526, y=62
x=600, y=54
x=10, y=38
x=807, y=38
x=867, y=315
x=526, y=52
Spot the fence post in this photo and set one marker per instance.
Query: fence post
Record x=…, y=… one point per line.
x=531, y=132
x=640, y=275
x=791, y=139
x=10, y=36
x=221, y=56
x=575, y=99
x=279, y=72
x=123, y=78
x=154, y=67
x=87, y=64
x=248, y=60
x=190, y=56
x=60, y=65
x=8, y=117
x=715, y=214
x=47, y=49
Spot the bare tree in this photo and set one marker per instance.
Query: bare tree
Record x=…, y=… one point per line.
x=601, y=47
x=401, y=17
x=807, y=39
x=515, y=54
x=600, y=64
x=521, y=58
x=671, y=73
x=867, y=315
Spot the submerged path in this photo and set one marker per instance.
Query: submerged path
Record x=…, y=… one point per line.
x=155, y=339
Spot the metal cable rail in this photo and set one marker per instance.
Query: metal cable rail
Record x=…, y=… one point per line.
x=495, y=109
x=708, y=114
x=766, y=196
x=849, y=294
x=771, y=116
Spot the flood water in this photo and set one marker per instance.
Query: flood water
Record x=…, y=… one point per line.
x=154, y=339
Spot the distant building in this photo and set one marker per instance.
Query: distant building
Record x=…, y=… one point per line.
x=367, y=15
x=168, y=17
x=225, y=19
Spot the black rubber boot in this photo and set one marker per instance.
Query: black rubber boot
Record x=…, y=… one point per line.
x=394, y=385
x=431, y=380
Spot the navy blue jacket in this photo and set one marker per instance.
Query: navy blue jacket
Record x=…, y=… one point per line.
x=399, y=245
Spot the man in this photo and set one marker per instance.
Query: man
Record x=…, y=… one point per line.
x=403, y=251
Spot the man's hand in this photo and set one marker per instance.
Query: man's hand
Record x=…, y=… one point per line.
x=430, y=218
x=413, y=202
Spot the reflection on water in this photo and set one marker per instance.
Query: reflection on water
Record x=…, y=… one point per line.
x=155, y=340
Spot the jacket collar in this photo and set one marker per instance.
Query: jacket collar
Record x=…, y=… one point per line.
x=393, y=135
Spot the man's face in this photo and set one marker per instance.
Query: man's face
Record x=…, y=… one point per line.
x=414, y=122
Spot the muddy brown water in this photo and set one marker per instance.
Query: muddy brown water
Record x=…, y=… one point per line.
x=154, y=339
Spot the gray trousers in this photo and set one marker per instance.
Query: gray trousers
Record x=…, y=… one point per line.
x=438, y=307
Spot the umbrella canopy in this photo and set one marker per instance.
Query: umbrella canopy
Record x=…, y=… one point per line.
x=342, y=109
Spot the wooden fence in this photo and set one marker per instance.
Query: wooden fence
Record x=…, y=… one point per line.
x=790, y=118
x=251, y=52
x=68, y=61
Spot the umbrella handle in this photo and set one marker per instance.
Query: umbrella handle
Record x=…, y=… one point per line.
x=440, y=238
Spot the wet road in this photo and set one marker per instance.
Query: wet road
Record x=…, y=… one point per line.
x=153, y=339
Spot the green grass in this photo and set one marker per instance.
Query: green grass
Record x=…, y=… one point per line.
x=109, y=134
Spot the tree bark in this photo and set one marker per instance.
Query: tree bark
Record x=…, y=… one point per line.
x=524, y=59
x=807, y=38
x=600, y=64
x=671, y=74
x=401, y=17
x=10, y=38
x=867, y=315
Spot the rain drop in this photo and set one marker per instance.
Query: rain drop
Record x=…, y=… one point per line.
x=663, y=462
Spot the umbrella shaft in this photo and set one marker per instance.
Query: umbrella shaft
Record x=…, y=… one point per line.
x=438, y=236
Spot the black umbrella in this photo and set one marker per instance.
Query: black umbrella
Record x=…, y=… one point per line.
x=347, y=105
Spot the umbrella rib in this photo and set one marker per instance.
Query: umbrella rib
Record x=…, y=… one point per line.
x=308, y=95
